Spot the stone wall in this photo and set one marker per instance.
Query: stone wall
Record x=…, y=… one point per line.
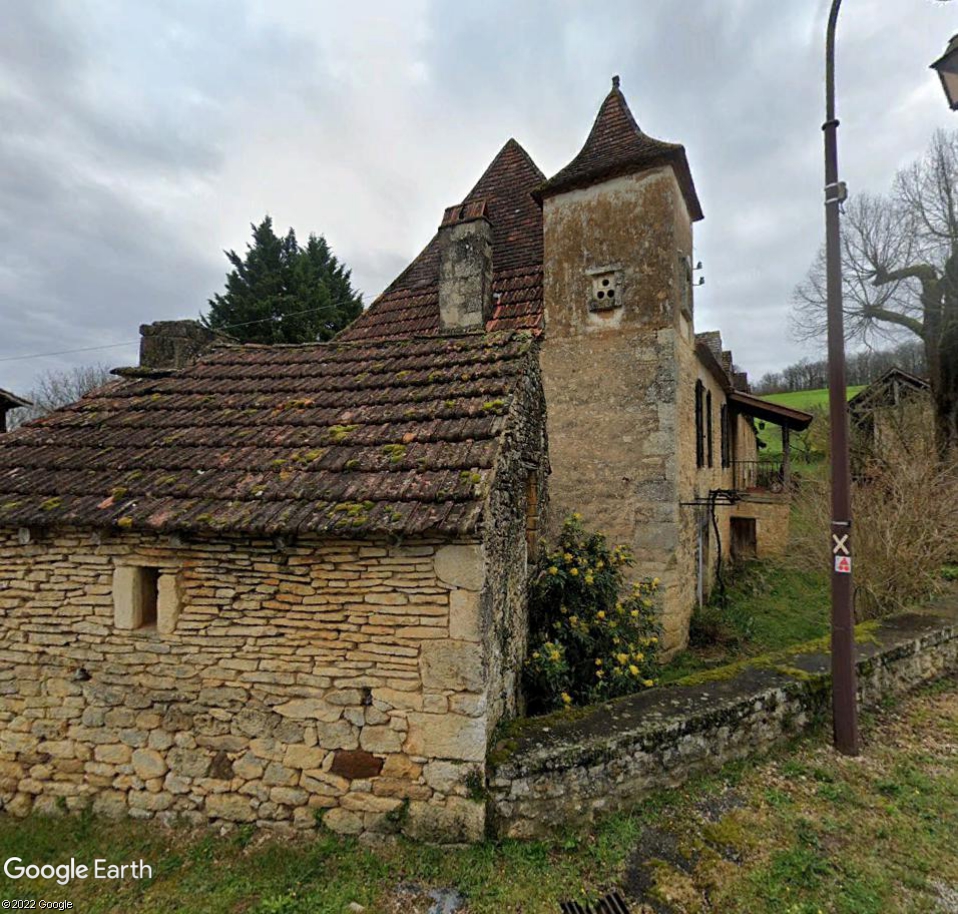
x=609, y=368
x=697, y=521
x=174, y=344
x=620, y=385
x=520, y=486
x=558, y=771
x=341, y=678
x=771, y=514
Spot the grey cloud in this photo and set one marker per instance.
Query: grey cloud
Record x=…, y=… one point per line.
x=139, y=140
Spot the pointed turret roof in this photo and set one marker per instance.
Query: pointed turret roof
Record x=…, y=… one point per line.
x=617, y=146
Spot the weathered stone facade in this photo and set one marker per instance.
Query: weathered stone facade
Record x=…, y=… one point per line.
x=611, y=375
x=598, y=260
x=330, y=675
x=620, y=384
x=352, y=678
x=228, y=677
x=262, y=584
x=174, y=344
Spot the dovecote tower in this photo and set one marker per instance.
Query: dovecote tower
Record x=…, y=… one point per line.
x=618, y=327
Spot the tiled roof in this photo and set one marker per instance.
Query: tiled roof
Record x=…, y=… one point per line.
x=881, y=390
x=616, y=145
x=335, y=438
x=11, y=401
x=410, y=306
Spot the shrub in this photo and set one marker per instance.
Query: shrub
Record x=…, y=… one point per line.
x=905, y=527
x=592, y=636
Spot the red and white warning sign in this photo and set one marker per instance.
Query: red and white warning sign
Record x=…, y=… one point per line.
x=843, y=564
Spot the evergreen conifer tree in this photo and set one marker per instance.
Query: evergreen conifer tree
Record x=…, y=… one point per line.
x=282, y=292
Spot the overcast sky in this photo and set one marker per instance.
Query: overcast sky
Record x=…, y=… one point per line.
x=140, y=139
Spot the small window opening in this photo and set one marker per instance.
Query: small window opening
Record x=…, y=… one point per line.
x=744, y=538
x=149, y=589
x=135, y=597
x=709, y=436
x=726, y=432
x=699, y=424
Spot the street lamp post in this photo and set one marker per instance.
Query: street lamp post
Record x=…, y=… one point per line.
x=844, y=685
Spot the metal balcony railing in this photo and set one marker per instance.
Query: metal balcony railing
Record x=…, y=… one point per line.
x=766, y=475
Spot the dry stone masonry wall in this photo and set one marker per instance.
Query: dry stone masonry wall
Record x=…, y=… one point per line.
x=335, y=679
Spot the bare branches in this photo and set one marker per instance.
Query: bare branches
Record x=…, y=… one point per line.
x=894, y=253
x=60, y=388
x=874, y=241
x=894, y=317
x=927, y=189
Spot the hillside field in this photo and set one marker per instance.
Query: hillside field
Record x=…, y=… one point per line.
x=810, y=400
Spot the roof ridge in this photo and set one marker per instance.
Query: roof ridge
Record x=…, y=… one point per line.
x=506, y=186
x=511, y=147
x=364, y=343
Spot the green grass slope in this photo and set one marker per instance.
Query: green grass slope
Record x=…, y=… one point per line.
x=808, y=400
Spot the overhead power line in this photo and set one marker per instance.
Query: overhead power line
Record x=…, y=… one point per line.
x=261, y=320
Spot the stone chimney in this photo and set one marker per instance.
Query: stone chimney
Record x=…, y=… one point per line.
x=171, y=345
x=465, y=267
x=712, y=339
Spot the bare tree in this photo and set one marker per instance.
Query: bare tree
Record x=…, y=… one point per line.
x=54, y=389
x=900, y=273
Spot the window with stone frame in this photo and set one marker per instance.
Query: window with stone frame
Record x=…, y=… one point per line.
x=145, y=598
x=605, y=286
x=699, y=424
x=708, y=429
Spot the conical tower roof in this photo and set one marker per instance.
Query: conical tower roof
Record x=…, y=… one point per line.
x=617, y=146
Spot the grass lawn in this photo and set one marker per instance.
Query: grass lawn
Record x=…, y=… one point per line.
x=802, y=832
x=767, y=607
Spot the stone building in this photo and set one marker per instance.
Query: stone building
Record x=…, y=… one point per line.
x=259, y=584
x=893, y=417
x=651, y=432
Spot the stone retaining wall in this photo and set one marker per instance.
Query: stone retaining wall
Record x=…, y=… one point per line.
x=566, y=771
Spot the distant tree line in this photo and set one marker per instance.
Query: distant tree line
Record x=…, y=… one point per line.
x=862, y=368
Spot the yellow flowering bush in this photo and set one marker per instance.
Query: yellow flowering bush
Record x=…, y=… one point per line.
x=592, y=635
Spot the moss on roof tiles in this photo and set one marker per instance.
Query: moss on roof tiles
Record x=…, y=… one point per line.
x=272, y=439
